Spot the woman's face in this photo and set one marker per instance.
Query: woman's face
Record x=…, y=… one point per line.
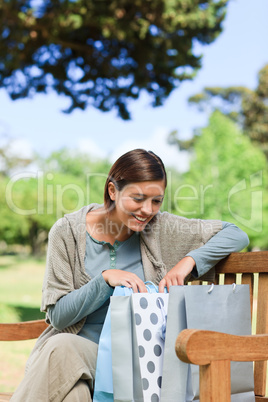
x=137, y=203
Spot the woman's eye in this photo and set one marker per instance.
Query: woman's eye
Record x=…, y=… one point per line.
x=158, y=201
x=137, y=199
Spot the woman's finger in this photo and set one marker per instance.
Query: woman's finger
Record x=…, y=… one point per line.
x=162, y=285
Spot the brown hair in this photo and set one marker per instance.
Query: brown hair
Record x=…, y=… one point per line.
x=134, y=166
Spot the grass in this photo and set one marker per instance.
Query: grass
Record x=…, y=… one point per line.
x=20, y=288
x=21, y=281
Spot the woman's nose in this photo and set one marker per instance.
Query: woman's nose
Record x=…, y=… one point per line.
x=147, y=207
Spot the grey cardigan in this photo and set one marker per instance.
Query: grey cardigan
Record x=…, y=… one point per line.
x=164, y=242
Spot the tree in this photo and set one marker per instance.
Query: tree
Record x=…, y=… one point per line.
x=248, y=108
x=73, y=162
x=227, y=180
x=103, y=52
x=33, y=201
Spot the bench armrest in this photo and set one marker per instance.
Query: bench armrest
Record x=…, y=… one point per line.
x=202, y=347
x=213, y=352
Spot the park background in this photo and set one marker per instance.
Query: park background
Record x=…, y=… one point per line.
x=52, y=163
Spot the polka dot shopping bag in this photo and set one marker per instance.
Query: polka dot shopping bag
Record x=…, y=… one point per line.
x=149, y=313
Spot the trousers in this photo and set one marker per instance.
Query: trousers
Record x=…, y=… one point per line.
x=63, y=369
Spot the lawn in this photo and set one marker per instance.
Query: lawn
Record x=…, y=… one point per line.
x=20, y=297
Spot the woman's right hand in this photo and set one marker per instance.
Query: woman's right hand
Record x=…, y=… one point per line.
x=116, y=277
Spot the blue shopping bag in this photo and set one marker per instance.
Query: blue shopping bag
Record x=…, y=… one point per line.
x=103, y=389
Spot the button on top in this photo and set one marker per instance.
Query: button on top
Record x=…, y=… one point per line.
x=112, y=257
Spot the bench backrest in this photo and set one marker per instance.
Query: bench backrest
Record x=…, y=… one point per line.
x=251, y=268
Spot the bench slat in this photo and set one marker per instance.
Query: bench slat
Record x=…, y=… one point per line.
x=5, y=397
x=20, y=331
x=248, y=279
x=249, y=262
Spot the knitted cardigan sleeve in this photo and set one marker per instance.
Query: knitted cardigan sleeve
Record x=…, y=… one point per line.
x=59, y=274
x=169, y=238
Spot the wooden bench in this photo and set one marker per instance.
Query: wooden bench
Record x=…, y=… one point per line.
x=254, y=269
x=214, y=361
x=19, y=332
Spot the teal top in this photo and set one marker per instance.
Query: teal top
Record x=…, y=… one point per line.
x=123, y=255
x=92, y=299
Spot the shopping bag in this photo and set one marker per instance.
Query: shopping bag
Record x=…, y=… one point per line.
x=175, y=372
x=149, y=328
x=103, y=389
x=219, y=308
x=222, y=308
x=121, y=349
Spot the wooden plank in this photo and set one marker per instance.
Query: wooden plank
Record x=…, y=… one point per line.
x=247, y=279
x=196, y=283
x=5, y=397
x=215, y=382
x=248, y=262
x=260, y=371
x=22, y=330
x=229, y=279
x=217, y=279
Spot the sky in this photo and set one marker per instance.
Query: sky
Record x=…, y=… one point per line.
x=38, y=124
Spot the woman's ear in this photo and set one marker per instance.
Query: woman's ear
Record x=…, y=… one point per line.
x=111, y=190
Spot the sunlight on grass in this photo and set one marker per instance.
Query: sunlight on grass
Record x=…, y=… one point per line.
x=20, y=288
x=21, y=281
x=15, y=355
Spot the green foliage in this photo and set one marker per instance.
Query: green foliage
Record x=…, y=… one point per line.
x=103, y=53
x=249, y=108
x=174, y=181
x=227, y=180
x=71, y=162
x=33, y=203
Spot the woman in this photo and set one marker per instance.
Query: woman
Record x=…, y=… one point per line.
x=123, y=242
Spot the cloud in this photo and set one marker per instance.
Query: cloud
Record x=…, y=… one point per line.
x=157, y=143
x=17, y=148
x=88, y=146
x=21, y=148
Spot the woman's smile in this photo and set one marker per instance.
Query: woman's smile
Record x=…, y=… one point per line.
x=140, y=218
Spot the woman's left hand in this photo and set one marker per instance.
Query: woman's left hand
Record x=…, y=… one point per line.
x=177, y=274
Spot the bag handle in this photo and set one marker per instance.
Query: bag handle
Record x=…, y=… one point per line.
x=151, y=289
x=162, y=330
x=212, y=286
x=125, y=291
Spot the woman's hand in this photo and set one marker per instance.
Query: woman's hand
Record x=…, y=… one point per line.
x=116, y=277
x=177, y=274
